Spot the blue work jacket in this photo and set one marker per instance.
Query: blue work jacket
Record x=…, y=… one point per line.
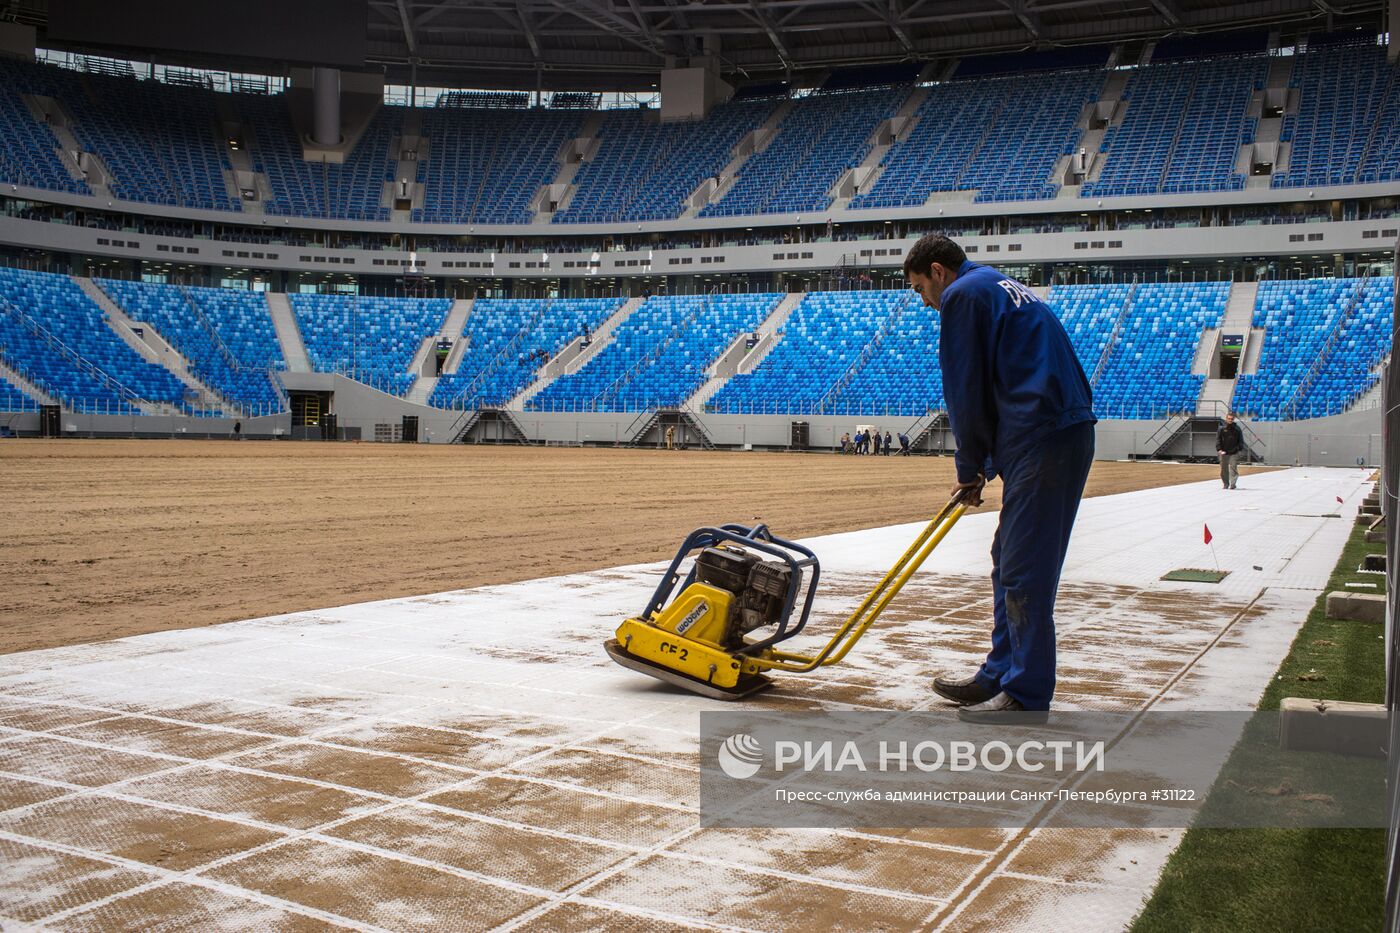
x=1010, y=376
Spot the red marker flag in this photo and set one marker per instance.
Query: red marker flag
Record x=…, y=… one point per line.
x=1207, y=527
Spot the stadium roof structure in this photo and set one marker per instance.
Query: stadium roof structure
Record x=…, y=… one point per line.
x=624, y=44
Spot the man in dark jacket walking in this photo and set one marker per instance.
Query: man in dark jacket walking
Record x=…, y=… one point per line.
x=1020, y=407
x=1229, y=443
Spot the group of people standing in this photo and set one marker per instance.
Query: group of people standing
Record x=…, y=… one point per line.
x=870, y=441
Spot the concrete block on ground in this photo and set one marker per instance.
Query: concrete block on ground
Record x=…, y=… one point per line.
x=1376, y=537
x=1337, y=726
x=1356, y=607
x=1373, y=562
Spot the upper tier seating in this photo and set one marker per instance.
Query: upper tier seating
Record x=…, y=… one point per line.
x=659, y=354
x=159, y=141
x=508, y=341
x=1183, y=128
x=485, y=166
x=1003, y=137
x=1321, y=336
x=998, y=136
x=645, y=169
x=28, y=147
x=1344, y=95
x=83, y=362
x=371, y=340
x=824, y=135
x=226, y=334
x=351, y=190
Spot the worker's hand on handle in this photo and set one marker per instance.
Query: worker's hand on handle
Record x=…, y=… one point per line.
x=970, y=493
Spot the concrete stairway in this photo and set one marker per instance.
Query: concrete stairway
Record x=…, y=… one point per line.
x=147, y=341
x=1205, y=351
x=713, y=189
x=862, y=177
x=288, y=334
x=1239, y=311
x=559, y=193
x=574, y=356
x=737, y=359
x=1239, y=318
x=768, y=332
x=410, y=148
x=452, y=326
x=1215, y=397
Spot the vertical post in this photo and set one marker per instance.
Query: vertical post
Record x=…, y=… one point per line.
x=325, y=93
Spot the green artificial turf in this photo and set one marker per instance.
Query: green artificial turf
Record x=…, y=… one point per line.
x=1279, y=880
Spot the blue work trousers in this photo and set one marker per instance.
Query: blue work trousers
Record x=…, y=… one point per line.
x=1041, y=489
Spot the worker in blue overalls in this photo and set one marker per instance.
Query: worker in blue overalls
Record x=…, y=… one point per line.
x=1020, y=408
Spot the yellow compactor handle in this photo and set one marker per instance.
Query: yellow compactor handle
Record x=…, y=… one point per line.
x=870, y=608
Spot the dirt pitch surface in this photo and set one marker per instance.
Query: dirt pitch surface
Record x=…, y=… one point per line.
x=106, y=539
x=471, y=759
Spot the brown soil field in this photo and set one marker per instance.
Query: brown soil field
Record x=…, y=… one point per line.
x=105, y=539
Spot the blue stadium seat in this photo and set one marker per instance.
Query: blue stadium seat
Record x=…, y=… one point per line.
x=822, y=340
x=508, y=341
x=226, y=335
x=658, y=355
x=371, y=340
x=1302, y=319
x=821, y=137
x=55, y=336
x=644, y=169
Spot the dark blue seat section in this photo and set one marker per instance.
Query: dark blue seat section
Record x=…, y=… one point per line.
x=371, y=340
x=510, y=340
x=55, y=336
x=1323, y=340
x=226, y=334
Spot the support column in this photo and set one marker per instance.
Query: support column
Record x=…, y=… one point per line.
x=1392, y=52
x=325, y=83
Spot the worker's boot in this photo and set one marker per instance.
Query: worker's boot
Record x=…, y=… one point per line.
x=1003, y=709
x=963, y=691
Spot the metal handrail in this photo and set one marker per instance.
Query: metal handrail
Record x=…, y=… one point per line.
x=1113, y=336
x=866, y=353
x=469, y=392
x=1290, y=408
x=76, y=358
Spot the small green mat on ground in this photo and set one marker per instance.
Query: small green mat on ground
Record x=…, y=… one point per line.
x=1190, y=575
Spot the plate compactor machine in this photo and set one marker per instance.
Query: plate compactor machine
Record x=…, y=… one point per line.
x=717, y=637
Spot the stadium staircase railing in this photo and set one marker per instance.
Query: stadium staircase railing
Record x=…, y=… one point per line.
x=923, y=426
x=469, y=398
x=233, y=362
x=868, y=351
x=1289, y=409
x=1107, y=353
x=79, y=361
x=617, y=385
